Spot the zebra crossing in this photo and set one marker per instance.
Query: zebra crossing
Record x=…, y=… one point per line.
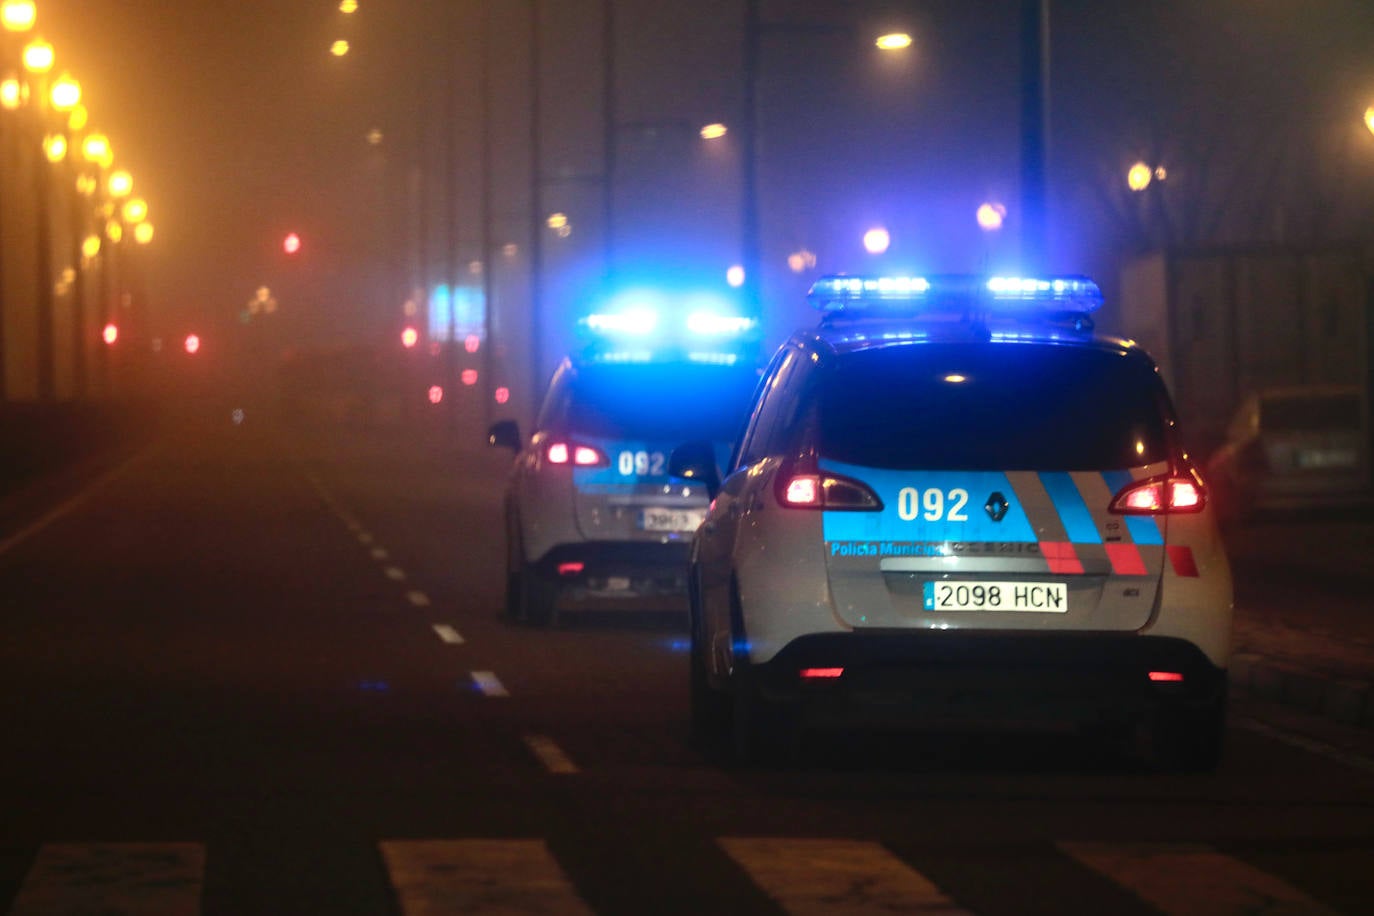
x=800, y=875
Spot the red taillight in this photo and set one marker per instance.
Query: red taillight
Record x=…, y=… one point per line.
x=580, y=455
x=825, y=491
x=819, y=674
x=1160, y=495
x=573, y=568
x=1166, y=677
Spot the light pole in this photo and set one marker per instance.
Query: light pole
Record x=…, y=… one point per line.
x=17, y=18
x=38, y=61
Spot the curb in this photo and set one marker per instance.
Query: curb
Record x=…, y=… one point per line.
x=1349, y=702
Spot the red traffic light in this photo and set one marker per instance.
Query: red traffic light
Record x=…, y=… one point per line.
x=192, y=344
x=111, y=333
x=291, y=244
x=409, y=338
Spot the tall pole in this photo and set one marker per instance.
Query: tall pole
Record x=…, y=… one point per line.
x=451, y=229
x=488, y=284
x=536, y=218
x=750, y=230
x=1035, y=82
x=608, y=136
x=78, y=329
x=47, y=368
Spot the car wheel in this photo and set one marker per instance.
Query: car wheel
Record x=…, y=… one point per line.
x=1190, y=740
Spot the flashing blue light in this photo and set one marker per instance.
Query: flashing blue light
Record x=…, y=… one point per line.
x=710, y=324
x=633, y=322
x=891, y=294
x=713, y=359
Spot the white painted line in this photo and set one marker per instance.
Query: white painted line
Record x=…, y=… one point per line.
x=449, y=877
x=162, y=878
x=1192, y=878
x=448, y=634
x=379, y=553
x=487, y=682
x=1311, y=745
x=836, y=876
x=24, y=534
x=395, y=573
x=550, y=754
x=418, y=598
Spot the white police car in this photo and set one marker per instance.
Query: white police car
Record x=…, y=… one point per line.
x=954, y=505
x=591, y=510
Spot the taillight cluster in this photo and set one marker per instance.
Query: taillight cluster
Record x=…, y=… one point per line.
x=1177, y=492
x=825, y=491
x=584, y=456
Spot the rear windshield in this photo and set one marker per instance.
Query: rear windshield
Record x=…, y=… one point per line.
x=673, y=403
x=1304, y=413
x=992, y=407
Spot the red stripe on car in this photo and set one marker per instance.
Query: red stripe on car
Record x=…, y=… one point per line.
x=1126, y=559
x=1062, y=557
x=1182, y=559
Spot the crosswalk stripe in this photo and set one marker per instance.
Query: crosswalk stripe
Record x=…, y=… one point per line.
x=157, y=879
x=836, y=875
x=1190, y=878
x=439, y=877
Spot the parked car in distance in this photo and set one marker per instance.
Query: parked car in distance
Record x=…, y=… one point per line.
x=1293, y=448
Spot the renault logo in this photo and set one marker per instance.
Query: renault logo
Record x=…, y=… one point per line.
x=996, y=507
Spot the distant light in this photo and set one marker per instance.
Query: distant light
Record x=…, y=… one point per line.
x=410, y=309
x=801, y=261
x=1161, y=173
x=409, y=338
x=877, y=240
x=38, y=56
x=472, y=343
x=469, y=377
x=348, y=6
x=475, y=268
x=135, y=210
x=121, y=183
x=1139, y=176
x=436, y=394
x=714, y=131
x=55, y=147
x=12, y=94
x=110, y=334
x=955, y=378
x=375, y=137
x=557, y=220
x=291, y=244
x=895, y=41
x=990, y=216
x=1369, y=118
x=80, y=117
x=114, y=231
x=237, y=415
x=143, y=233
x=339, y=48
x=90, y=246
x=65, y=93
x=192, y=344
x=510, y=249
x=502, y=395
x=735, y=275
x=18, y=15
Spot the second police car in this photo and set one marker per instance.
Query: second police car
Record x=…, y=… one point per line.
x=591, y=512
x=956, y=505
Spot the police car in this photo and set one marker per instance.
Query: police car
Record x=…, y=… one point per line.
x=955, y=505
x=591, y=511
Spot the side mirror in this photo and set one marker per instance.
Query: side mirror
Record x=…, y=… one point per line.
x=504, y=434
x=696, y=461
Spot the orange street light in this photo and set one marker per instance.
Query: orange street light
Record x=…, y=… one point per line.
x=339, y=48
x=18, y=15
x=713, y=131
x=348, y=6
x=143, y=233
x=79, y=118
x=38, y=56
x=12, y=94
x=120, y=184
x=1139, y=176
x=90, y=246
x=135, y=210
x=1369, y=118
x=55, y=147
x=65, y=93
x=894, y=41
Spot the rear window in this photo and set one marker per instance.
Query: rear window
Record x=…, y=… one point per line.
x=1310, y=413
x=673, y=402
x=992, y=407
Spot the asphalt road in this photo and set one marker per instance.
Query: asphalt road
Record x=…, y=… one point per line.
x=256, y=670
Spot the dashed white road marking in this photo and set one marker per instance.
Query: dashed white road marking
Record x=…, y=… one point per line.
x=489, y=684
x=395, y=573
x=448, y=634
x=836, y=876
x=1193, y=879
x=550, y=754
x=379, y=553
x=162, y=878
x=444, y=877
x=417, y=598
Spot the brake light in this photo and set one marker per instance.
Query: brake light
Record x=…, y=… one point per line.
x=814, y=674
x=1166, y=677
x=1160, y=496
x=580, y=455
x=825, y=491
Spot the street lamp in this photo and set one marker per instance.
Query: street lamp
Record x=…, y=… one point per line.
x=65, y=93
x=12, y=93
x=135, y=210
x=894, y=41
x=877, y=240
x=1139, y=176
x=120, y=183
x=713, y=131
x=1369, y=118
x=143, y=233
x=38, y=56
x=18, y=15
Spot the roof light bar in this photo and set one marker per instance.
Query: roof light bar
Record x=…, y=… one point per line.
x=1050, y=294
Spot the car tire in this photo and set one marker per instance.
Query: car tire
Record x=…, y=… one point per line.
x=1190, y=740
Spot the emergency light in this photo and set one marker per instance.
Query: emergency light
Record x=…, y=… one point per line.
x=648, y=325
x=903, y=295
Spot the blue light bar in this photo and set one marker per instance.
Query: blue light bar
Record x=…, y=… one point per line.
x=898, y=295
x=711, y=324
x=630, y=322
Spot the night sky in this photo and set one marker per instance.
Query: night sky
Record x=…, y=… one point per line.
x=240, y=127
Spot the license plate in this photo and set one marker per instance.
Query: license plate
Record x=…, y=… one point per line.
x=671, y=519
x=1036, y=597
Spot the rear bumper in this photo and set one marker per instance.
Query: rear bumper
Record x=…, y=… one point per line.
x=1009, y=681
x=611, y=569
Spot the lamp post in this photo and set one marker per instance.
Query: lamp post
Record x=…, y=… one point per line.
x=38, y=61
x=17, y=18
